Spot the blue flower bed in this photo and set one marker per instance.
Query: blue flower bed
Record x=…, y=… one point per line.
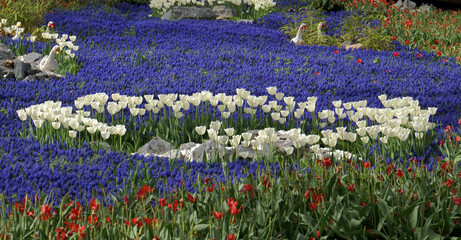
x=123, y=51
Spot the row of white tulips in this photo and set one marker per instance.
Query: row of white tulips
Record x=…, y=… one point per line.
x=59, y=116
x=396, y=120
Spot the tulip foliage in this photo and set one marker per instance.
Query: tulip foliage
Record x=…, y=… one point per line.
x=375, y=135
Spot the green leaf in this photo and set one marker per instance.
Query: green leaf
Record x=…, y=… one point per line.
x=414, y=217
x=199, y=227
x=354, y=223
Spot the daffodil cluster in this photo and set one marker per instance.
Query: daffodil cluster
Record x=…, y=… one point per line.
x=16, y=29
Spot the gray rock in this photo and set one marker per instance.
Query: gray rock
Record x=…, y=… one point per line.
x=188, y=146
x=47, y=75
x=245, y=152
x=31, y=57
x=425, y=7
x=6, y=72
x=20, y=69
x=5, y=52
x=282, y=144
x=32, y=71
x=212, y=149
x=398, y=4
x=168, y=15
x=178, y=13
x=224, y=12
x=249, y=21
x=156, y=146
x=29, y=78
x=407, y=4
x=206, y=147
x=174, y=154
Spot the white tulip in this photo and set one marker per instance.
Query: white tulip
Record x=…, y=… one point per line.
x=121, y=130
x=142, y=111
x=177, y=107
x=266, y=108
x=231, y=107
x=221, y=107
x=275, y=116
x=312, y=139
x=155, y=110
x=105, y=135
x=315, y=148
x=282, y=120
x=288, y=100
x=279, y=96
x=225, y=115
x=261, y=100
x=223, y=139
x=91, y=130
x=200, y=130
x=289, y=150
x=212, y=134
x=236, y=140
x=178, y=115
x=255, y=144
x=284, y=113
x=22, y=114
x=72, y=133
x=80, y=128
x=310, y=107
x=115, y=96
x=247, y=136
x=229, y=131
x=337, y=104
x=299, y=113
x=215, y=125
x=271, y=90
x=56, y=125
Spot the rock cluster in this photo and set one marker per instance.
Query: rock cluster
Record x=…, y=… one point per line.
x=24, y=67
x=219, y=12
x=195, y=152
x=410, y=5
